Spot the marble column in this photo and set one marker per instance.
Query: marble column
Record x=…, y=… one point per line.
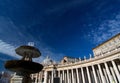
x=95, y=76
x=72, y=77
x=32, y=76
x=75, y=75
x=113, y=73
x=78, y=79
x=101, y=74
x=108, y=72
x=116, y=71
x=45, y=77
x=36, y=78
x=39, y=77
x=83, y=77
x=52, y=76
x=63, y=79
x=99, y=77
x=119, y=67
x=68, y=79
x=106, y=76
x=42, y=75
x=88, y=73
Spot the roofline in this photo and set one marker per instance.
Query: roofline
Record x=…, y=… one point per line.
x=107, y=40
x=71, y=57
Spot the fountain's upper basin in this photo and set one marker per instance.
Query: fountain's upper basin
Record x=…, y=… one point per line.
x=28, y=51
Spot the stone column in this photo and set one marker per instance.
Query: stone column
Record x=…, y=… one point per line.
x=99, y=77
x=115, y=79
x=39, y=77
x=119, y=65
x=63, y=79
x=78, y=79
x=116, y=71
x=83, y=77
x=32, y=76
x=45, y=77
x=95, y=76
x=36, y=78
x=52, y=76
x=108, y=72
x=72, y=77
x=68, y=79
x=106, y=76
x=64, y=76
x=101, y=74
x=88, y=73
x=42, y=74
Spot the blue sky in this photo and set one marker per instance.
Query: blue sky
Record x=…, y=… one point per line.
x=57, y=27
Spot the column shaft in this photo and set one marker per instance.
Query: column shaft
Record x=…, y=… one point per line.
x=72, y=77
x=101, y=74
x=51, y=76
x=108, y=72
x=39, y=77
x=83, y=77
x=32, y=76
x=116, y=71
x=45, y=77
x=63, y=79
x=95, y=76
x=106, y=76
x=99, y=77
x=68, y=79
x=61, y=76
x=36, y=78
x=88, y=73
x=78, y=79
x=115, y=79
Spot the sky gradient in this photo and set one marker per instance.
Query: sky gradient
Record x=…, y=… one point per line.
x=58, y=28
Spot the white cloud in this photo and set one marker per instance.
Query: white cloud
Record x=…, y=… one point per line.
x=9, y=32
x=8, y=49
x=106, y=30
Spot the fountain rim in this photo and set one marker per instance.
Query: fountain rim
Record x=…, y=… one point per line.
x=23, y=66
x=25, y=49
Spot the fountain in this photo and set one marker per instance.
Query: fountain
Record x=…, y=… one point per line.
x=25, y=66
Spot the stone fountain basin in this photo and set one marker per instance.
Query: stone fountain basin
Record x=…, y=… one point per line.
x=28, y=50
x=24, y=67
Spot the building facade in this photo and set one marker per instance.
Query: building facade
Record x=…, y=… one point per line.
x=104, y=67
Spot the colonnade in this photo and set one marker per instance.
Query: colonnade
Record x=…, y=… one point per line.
x=104, y=72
